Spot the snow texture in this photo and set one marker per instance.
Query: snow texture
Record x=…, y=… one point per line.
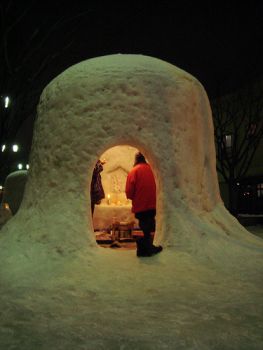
x=60, y=290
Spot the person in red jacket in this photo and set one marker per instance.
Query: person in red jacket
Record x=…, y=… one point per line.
x=141, y=189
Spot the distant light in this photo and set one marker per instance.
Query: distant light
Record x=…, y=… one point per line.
x=15, y=148
x=1, y=187
x=3, y=148
x=238, y=183
x=6, y=206
x=228, y=140
x=7, y=101
x=27, y=166
x=20, y=166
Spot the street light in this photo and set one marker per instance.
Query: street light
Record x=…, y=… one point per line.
x=15, y=148
x=7, y=101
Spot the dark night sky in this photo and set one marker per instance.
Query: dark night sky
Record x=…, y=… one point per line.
x=220, y=43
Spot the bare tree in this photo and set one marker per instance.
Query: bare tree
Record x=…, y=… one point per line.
x=238, y=121
x=31, y=48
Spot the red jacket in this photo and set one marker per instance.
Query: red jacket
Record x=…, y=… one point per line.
x=141, y=188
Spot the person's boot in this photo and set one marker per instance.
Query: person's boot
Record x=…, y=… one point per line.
x=156, y=249
x=151, y=247
x=143, y=248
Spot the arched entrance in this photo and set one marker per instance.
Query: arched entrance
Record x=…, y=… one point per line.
x=114, y=224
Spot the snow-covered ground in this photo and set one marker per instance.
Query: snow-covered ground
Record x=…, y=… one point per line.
x=111, y=299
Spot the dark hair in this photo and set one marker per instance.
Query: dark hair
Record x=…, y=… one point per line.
x=139, y=158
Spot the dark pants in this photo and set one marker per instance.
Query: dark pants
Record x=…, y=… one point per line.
x=146, y=221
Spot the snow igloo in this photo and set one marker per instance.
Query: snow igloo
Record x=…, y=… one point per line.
x=135, y=101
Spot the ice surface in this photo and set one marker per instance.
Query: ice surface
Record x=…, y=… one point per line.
x=59, y=290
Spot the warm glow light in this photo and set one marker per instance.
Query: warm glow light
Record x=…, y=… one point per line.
x=27, y=166
x=7, y=101
x=6, y=206
x=20, y=166
x=15, y=148
x=3, y=148
x=1, y=187
x=108, y=201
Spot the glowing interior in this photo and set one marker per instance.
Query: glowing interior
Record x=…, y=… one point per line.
x=115, y=205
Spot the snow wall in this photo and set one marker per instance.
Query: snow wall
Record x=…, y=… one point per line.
x=132, y=100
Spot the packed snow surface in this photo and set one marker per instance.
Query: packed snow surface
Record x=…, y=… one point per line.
x=60, y=290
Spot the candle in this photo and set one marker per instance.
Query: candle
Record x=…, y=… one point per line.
x=108, y=201
x=6, y=206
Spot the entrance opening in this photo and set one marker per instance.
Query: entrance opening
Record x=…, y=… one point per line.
x=115, y=226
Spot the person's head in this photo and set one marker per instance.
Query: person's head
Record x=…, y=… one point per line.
x=139, y=158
